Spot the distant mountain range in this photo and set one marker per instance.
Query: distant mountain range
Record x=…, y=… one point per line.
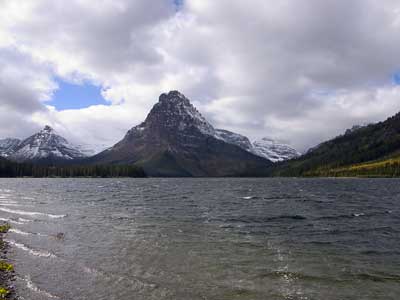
x=176, y=140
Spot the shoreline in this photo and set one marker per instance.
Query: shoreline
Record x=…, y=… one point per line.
x=7, y=274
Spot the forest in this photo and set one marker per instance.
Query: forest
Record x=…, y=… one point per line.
x=13, y=169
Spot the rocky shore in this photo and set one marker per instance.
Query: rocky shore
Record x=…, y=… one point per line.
x=7, y=275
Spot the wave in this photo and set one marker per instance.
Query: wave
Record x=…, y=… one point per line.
x=285, y=274
x=30, y=285
x=39, y=253
x=253, y=219
x=24, y=220
x=11, y=221
x=344, y=216
x=17, y=231
x=358, y=214
x=92, y=271
x=7, y=200
x=10, y=204
x=31, y=213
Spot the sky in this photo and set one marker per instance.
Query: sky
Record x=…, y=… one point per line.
x=298, y=72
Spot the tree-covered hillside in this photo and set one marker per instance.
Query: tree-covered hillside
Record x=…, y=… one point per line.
x=366, y=144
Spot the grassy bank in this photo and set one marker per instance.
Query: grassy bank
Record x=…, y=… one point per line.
x=387, y=168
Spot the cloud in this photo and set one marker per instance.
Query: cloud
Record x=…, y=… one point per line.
x=299, y=72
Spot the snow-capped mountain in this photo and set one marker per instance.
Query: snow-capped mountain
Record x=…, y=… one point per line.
x=273, y=150
x=176, y=140
x=45, y=145
x=8, y=146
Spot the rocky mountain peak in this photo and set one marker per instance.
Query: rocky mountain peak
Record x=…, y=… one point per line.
x=174, y=97
x=174, y=113
x=47, y=128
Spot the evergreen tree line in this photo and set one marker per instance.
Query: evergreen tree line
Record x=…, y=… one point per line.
x=12, y=169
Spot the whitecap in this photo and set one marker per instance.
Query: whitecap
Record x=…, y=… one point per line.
x=31, y=213
x=91, y=271
x=11, y=221
x=24, y=220
x=31, y=251
x=248, y=197
x=10, y=204
x=30, y=285
x=17, y=231
x=6, y=200
x=358, y=214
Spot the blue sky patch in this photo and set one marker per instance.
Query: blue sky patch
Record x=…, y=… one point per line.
x=178, y=3
x=76, y=96
x=396, y=78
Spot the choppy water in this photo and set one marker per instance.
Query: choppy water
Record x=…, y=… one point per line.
x=202, y=239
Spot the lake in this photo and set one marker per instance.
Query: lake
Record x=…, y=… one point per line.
x=187, y=239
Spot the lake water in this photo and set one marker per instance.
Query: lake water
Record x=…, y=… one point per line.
x=189, y=239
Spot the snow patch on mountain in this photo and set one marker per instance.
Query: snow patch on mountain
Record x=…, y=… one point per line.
x=274, y=150
x=91, y=149
x=234, y=138
x=8, y=146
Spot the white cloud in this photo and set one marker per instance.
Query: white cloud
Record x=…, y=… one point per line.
x=301, y=72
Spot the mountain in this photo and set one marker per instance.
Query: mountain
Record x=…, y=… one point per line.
x=365, y=146
x=176, y=140
x=46, y=147
x=266, y=147
x=8, y=146
x=274, y=150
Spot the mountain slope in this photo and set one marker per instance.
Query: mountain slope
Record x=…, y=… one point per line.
x=369, y=143
x=8, y=146
x=176, y=140
x=235, y=139
x=266, y=148
x=273, y=150
x=45, y=147
x=385, y=167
